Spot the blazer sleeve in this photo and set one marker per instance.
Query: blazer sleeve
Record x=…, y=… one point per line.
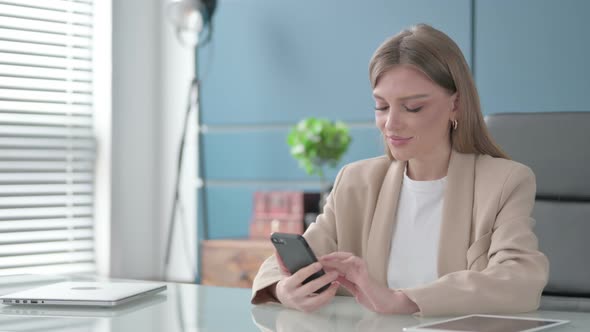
x=321, y=237
x=516, y=272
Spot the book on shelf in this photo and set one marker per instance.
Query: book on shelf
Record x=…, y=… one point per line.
x=281, y=211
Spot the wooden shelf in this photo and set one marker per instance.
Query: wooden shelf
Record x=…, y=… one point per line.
x=233, y=263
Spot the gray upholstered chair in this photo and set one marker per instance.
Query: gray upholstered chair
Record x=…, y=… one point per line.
x=556, y=146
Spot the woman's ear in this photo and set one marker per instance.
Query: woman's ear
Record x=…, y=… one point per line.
x=455, y=101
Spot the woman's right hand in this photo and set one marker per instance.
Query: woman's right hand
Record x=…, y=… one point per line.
x=291, y=292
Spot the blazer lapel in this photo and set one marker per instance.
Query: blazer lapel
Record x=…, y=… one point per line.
x=457, y=212
x=381, y=232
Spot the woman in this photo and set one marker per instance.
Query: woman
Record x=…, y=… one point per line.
x=442, y=224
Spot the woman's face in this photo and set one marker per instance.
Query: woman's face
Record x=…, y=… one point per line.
x=413, y=113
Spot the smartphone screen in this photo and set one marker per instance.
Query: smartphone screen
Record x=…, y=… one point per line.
x=296, y=254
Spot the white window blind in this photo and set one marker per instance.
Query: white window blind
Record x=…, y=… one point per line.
x=47, y=146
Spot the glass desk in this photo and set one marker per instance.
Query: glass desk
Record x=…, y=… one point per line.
x=186, y=307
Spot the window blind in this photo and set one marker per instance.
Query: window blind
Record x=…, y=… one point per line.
x=47, y=147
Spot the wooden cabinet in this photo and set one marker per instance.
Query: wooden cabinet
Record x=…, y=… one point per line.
x=233, y=263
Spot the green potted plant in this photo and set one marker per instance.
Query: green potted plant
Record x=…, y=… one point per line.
x=317, y=143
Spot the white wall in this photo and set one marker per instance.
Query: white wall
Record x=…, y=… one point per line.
x=177, y=71
x=102, y=94
x=150, y=78
x=135, y=185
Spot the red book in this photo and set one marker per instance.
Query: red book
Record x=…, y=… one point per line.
x=277, y=211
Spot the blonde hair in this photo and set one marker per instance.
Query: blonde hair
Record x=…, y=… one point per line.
x=437, y=55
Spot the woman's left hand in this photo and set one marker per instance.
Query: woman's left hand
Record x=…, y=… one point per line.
x=356, y=279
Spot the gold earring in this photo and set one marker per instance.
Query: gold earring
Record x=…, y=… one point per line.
x=455, y=122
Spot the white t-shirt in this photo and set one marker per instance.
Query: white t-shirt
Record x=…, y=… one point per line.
x=414, y=248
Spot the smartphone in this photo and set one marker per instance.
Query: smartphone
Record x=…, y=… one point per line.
x=296, y=254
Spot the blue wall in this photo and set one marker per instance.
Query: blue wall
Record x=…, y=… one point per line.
x=532, y=55
x=271, y=63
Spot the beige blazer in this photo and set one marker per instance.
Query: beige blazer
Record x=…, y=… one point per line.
x=488, y=259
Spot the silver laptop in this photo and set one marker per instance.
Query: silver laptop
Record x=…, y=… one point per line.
x=102, y=294
x=83, y=311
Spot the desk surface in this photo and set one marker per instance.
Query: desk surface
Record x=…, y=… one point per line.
x=185, y=307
